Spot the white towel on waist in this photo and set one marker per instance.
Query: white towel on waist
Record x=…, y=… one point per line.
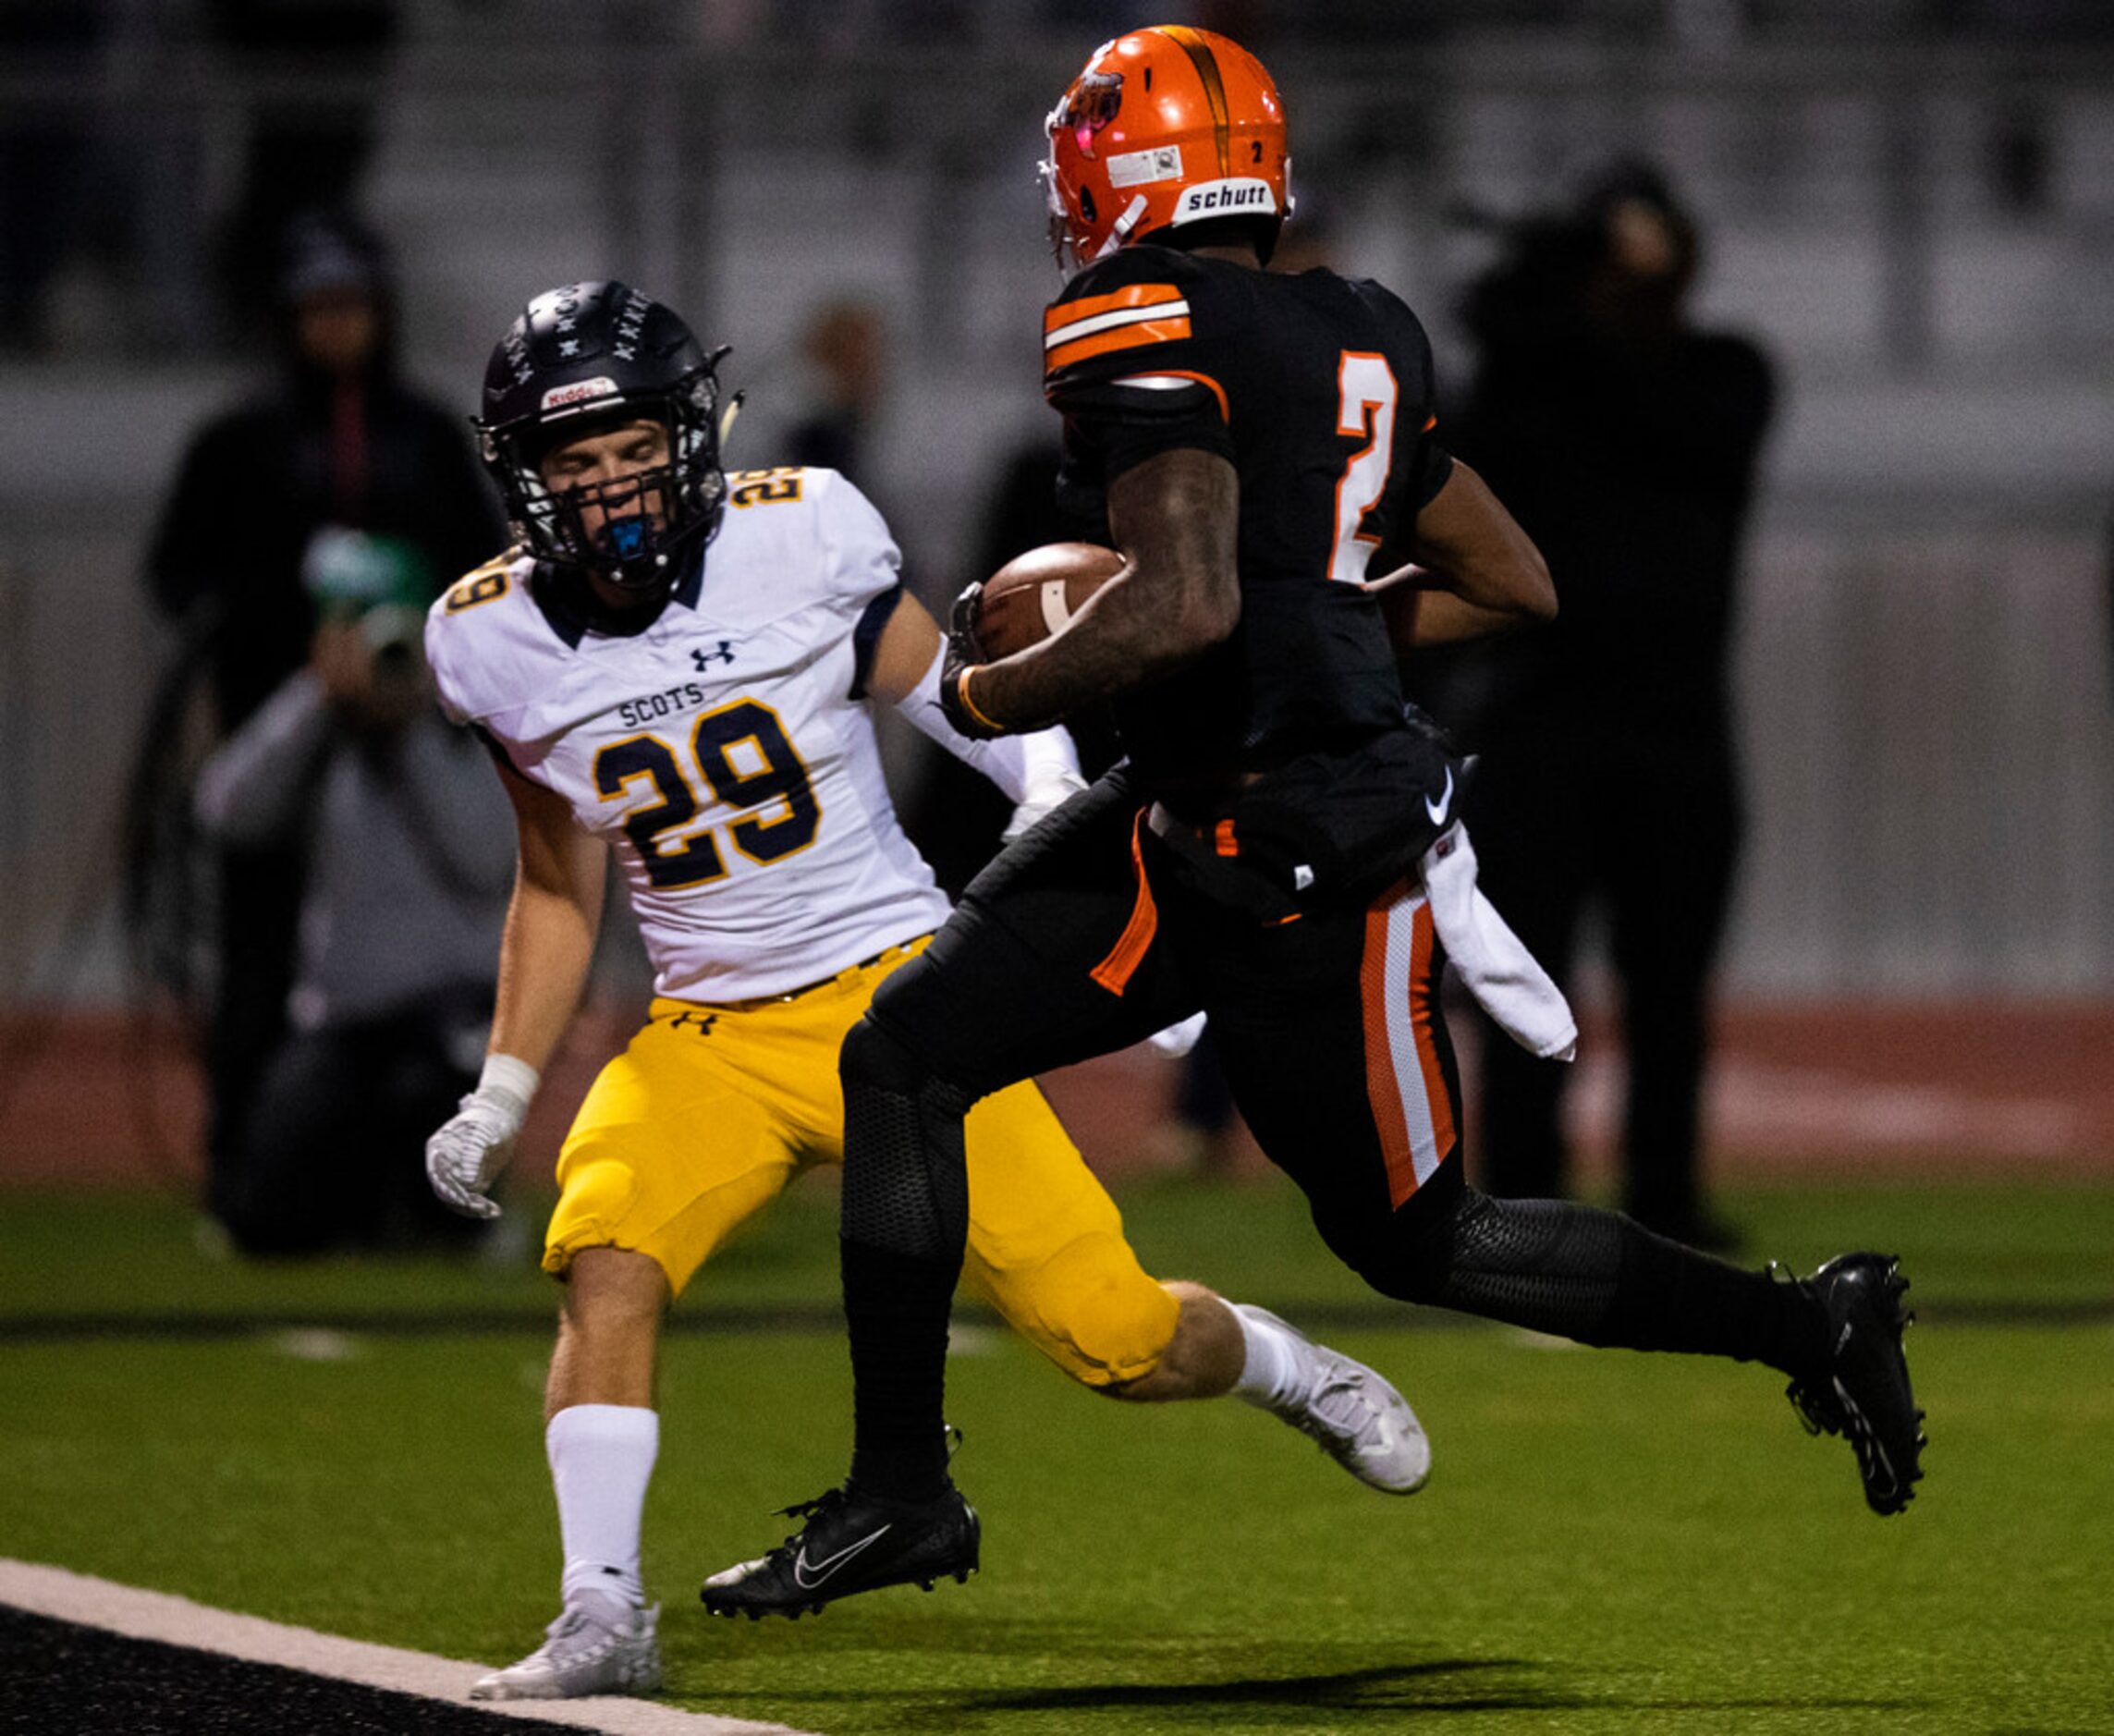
x=1499, y=971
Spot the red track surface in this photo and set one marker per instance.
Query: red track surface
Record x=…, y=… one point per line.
x=1808, y=1089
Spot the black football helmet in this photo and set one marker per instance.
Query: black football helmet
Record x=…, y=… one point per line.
x=581, y=359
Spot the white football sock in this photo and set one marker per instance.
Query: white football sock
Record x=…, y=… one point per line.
x=601, y=1458
x=1276, y=1371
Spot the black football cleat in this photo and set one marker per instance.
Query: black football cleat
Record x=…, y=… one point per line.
x=1860, y=1391
x=851, y=1543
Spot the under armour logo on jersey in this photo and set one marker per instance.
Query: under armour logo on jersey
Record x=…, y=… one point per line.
x=705, y=659
x=701, y=1022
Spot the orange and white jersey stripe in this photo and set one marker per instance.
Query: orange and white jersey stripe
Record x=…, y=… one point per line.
x=1128, y=318
x=1405, y=1078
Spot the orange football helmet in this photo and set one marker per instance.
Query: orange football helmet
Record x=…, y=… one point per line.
x=1165, y=126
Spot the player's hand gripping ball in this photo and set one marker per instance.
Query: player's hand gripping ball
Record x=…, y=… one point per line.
x=1034, y=595
x=1027, y=600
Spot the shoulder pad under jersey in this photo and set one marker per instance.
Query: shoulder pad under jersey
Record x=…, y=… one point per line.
x=1147, y=329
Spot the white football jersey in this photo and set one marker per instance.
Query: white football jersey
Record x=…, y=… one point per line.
x=719, y=750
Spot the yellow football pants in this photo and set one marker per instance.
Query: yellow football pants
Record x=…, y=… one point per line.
x=711, y=1110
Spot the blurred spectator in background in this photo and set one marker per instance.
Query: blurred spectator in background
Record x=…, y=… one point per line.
x=953, y=816
x=411, y=846
x=337, y=441
x=845, y=345
x=45, y=149
x=312, y=123
x=1626, y=442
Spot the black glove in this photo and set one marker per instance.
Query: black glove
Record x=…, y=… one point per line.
x=963, y=652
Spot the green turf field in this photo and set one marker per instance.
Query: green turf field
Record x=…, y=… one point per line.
x=1609, y=1542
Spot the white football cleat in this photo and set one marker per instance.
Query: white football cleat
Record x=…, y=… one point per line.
x=1358, y=1418
x=598, y=1644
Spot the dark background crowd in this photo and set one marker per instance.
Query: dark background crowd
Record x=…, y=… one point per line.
x=196, y=196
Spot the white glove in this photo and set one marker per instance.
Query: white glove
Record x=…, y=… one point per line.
x=1047, y=791
x=464, y=1158
x=1177, y=1040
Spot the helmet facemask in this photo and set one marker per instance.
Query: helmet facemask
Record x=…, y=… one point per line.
x=1081, y=112
x=643, y=521
x=1067, y=240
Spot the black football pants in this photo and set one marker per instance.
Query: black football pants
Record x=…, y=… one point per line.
x=1093, y=935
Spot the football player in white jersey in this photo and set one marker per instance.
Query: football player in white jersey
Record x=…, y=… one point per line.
x=677, y=664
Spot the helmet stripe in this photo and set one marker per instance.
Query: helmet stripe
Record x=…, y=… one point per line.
x=1199, y=51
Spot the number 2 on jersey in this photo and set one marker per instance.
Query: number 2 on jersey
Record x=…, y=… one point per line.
x=1365, y=394
x=781, y=777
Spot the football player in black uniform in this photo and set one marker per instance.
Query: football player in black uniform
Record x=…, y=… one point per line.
x=1260, y=444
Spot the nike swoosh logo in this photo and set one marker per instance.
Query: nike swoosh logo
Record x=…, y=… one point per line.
x=808, y=1574
x=1437, y=808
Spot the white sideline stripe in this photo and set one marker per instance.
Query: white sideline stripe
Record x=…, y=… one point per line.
x=150, y=1615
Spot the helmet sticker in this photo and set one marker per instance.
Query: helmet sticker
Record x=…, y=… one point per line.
x=1137, y=169
x=515, y=346
x=579, y=392
x=631, y=323
x=1240, y=196
x=1090, y=105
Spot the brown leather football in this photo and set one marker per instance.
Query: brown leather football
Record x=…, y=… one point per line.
x=1034, y=595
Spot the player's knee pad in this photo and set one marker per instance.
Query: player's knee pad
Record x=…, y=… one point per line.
x=1444, y=1236
x=873, y=1054
x=1505, y=1238
x=1091, y=1308
x=1549, y=1264
x=1544, y=1264
x=906, y=1179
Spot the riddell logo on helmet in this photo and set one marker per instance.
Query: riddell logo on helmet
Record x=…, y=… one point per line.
x=579, y=392
x=1218, y=199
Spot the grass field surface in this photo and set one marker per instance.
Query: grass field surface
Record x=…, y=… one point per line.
x=1609, y=1541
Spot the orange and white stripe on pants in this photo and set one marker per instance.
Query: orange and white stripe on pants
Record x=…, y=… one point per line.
x=1404, y=1080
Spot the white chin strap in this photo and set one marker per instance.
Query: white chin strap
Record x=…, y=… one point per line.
x=1124, y=224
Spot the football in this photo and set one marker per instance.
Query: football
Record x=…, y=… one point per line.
x=1034, y=595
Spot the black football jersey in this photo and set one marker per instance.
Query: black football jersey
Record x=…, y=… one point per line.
x=1319, y=391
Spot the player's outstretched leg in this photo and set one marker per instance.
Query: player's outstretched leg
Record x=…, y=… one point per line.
x=1860, y=1391
x=1354, y=1415
x=851, y=1543
x=598, y=1644
x=1595, y=1275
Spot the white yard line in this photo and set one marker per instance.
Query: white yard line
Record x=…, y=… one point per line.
x=149, y=1615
